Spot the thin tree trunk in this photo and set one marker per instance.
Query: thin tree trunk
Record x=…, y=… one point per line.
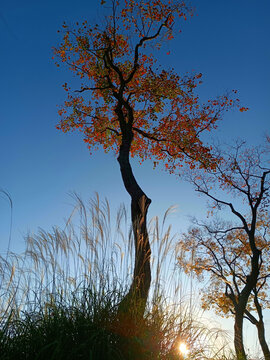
x=261, y=329
x=240, y=308
x=139, y=289
x=262, y=340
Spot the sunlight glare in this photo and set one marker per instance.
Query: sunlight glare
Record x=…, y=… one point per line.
x=183, y=349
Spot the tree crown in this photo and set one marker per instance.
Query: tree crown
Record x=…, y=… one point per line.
x=123, y=91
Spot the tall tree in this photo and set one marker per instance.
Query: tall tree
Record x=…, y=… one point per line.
x=236, y=257
x=126, y=103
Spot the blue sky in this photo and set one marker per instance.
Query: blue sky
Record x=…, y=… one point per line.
x=226, y=40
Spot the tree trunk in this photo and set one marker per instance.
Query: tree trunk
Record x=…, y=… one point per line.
x=259, y=325
x=139, y=289
x=142, y=272
x=263, y=343
x=240, y=308
x=238, y=335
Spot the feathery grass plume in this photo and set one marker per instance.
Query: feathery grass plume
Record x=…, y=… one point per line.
x=59, y=299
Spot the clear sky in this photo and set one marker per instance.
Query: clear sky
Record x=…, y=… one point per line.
x=227, y=40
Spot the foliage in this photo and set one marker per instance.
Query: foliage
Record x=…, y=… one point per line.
x=225, y=257
x=236, y=257
x=124, y=90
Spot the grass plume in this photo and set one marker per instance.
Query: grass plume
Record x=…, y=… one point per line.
x=58, y=300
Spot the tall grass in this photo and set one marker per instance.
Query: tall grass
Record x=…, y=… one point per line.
x=58, y=300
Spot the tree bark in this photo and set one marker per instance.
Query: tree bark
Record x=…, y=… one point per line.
x=139, y=289
x=261, y=329
x=262, y=340
x=240, y=301
x=238, y=334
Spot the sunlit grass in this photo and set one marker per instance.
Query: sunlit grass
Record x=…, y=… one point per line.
x=59, y=299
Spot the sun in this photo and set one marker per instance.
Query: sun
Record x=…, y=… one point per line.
x=183, y=348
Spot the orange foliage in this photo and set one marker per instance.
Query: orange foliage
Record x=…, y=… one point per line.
x=115, y=67
x=226, y=261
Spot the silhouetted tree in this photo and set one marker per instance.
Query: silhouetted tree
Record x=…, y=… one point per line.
x=126, y=104
x=236, y=257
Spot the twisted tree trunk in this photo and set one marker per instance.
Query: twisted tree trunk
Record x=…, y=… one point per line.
x=138, y=293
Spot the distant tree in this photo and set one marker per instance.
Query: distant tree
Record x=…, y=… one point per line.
x=235, y=257
x=126, y=103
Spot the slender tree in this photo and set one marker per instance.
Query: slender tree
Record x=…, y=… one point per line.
x=235, y=257
x=125, y=102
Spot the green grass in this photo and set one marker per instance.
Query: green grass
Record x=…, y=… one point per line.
x=59, y=299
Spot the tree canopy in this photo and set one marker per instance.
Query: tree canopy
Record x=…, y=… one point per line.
x=119, y=73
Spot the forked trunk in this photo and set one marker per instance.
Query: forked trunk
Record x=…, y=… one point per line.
x=260, y=326
x=240, y=308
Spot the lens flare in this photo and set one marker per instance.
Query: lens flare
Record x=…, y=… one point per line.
x=183, y=349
